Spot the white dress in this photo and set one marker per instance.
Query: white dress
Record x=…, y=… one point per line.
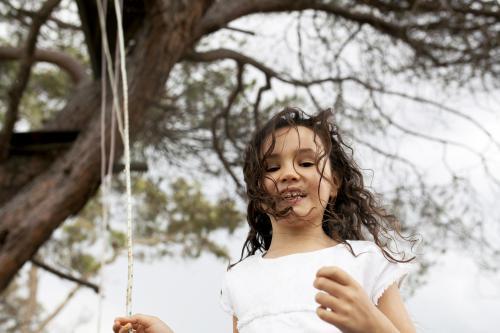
x=277, y=294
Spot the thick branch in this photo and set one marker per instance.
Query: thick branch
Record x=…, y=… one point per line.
x=224, y=12
x=75, y=70
x=412, y=29
x=16, y=92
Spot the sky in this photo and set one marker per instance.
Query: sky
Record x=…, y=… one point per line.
x=457, y=298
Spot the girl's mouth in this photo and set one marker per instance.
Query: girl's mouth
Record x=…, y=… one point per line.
x=294, y=198
x=294, y=201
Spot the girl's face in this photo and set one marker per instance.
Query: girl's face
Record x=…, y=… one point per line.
x=292, y=174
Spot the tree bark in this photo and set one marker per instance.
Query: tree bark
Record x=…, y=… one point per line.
x=28, y=219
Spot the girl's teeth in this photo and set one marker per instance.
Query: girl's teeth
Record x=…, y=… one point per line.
x=294, y=199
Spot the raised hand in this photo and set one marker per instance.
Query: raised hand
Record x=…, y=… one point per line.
x=140, y=324
x=343, y=302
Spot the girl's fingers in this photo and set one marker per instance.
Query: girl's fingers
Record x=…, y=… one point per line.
x=127, y=328
x=327, y=301
x=119, y=328
x=116, y=326
x=135, y=319
x=328, y=316
x=336, y=274
x=329, y=286
x=138, y=321
x=123, y=320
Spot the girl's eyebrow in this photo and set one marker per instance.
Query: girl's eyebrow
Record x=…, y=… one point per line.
x=299, y=152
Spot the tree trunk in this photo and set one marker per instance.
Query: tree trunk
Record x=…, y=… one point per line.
x=28, y=219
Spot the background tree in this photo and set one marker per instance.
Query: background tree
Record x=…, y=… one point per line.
x=196, y=96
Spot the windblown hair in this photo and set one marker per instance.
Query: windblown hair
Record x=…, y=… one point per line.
x=348, y=216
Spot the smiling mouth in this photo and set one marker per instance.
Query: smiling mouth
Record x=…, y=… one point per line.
x=294, y=197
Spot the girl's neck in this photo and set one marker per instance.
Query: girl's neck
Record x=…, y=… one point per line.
x=287, y=240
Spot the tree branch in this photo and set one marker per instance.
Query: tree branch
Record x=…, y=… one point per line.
x=430, y=138
x=223, y=12
x=410, y=26
x=16, y=92
x=62, y=275
x=75, y=70
x=222, y=53
x=225, y=114
x=20, y=14
x=256, y=105
x=243, y=31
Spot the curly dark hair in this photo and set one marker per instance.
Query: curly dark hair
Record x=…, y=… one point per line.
x=347, y=216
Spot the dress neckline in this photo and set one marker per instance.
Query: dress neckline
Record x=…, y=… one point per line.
x=261, y=256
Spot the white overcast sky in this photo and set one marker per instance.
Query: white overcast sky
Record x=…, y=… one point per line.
x=457, y=297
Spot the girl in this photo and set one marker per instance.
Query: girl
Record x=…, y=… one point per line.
x=310, y=219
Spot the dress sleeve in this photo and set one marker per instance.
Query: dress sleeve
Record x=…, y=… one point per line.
x=225, y=297
x=386, y=273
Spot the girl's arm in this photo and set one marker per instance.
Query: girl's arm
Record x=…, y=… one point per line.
x=392, y=306
x=235, y=325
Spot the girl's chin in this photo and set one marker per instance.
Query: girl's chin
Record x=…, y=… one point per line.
x=297, y=213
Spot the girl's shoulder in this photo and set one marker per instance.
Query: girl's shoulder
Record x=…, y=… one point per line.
x=367, y=246
x=369, y=252
x=244, y=264
x=364, y=246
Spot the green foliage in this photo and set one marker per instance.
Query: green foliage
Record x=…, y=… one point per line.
x=180, y=217
x=177, y=220
x=46, y=93
x=85, y=263
x=194, y=213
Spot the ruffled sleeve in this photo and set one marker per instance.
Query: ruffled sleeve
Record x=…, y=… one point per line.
x=225, y=297
x=386, y=273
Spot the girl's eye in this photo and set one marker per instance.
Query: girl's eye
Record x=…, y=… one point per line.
x=303, y=164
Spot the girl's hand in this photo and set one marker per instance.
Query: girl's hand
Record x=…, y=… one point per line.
x=141, y=324
x=344, y=303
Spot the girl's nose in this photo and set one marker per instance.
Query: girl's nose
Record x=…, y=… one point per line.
x=289, y=174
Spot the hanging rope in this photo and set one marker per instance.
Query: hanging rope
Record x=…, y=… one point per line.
x=108, y=62
x=104, y=181
x=124, y=131
x=126, y=144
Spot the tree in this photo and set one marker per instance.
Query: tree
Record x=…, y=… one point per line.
x=176, y=223
x=183, y=100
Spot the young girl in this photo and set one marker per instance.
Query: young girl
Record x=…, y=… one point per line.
x=307, y=264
